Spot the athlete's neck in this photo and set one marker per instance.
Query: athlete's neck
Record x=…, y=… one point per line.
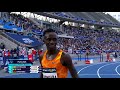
x=51, y=52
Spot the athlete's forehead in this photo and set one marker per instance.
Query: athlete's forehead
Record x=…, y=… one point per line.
x=50, y=35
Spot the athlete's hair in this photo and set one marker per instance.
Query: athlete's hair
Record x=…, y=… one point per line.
x=48, y=31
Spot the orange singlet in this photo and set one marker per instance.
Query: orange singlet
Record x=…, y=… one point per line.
x=61, y=70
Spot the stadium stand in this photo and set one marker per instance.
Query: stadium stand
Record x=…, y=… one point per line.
x=24, y=33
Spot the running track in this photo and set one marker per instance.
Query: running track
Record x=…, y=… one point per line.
x=101, y=70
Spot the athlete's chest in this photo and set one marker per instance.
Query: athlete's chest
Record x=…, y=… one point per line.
x=51, y=57
x=52, y=60
x=51, y=63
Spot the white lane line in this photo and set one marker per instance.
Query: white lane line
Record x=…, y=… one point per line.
x=116, y=69
x=83, y=68
x=104, y=66
x=88, y=66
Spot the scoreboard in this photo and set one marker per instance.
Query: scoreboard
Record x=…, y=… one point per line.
x=22, y=66
x=24, y=69
x=26, y=66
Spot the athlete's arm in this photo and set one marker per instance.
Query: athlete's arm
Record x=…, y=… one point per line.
x=67, y=61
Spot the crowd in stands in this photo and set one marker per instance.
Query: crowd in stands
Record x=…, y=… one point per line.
x=20, y=21
x=83, y=38
x=21, y=52
x=94, y=39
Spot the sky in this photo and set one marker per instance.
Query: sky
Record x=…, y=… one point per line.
x=113, y=13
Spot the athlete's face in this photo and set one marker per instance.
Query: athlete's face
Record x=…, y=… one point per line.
x=50, y=39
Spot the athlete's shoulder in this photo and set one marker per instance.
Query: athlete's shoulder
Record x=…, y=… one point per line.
x=65, y=55
x=66, y=59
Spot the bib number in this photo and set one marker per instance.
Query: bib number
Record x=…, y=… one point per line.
x=49, y=73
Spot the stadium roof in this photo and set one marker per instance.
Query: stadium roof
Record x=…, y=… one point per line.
x=69, y=19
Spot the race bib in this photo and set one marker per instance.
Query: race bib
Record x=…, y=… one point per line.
x=49, y=73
